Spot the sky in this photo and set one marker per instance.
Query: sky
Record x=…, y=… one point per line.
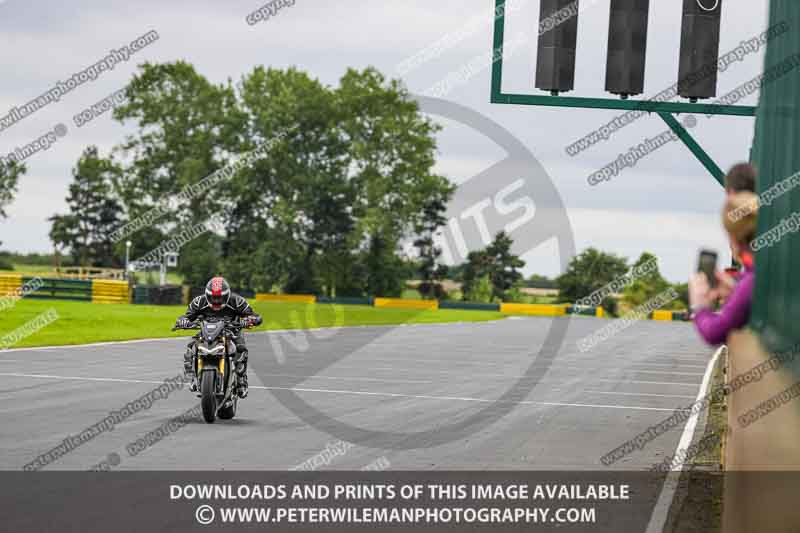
x=667, y=204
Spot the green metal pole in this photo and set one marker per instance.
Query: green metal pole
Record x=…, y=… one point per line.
x=497, y=48
x=695, y=148
x=650, y=106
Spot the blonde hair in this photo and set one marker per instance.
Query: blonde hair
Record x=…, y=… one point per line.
x=740, y=216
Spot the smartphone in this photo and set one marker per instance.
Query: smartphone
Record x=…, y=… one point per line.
x=708, y=265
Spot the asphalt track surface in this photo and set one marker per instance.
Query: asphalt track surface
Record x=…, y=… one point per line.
x=401, y=379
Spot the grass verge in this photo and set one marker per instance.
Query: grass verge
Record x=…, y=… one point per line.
x=698, y=501
x=84, y=322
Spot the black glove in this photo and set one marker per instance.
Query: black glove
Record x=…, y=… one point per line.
x=183, y=322
x=250, y=321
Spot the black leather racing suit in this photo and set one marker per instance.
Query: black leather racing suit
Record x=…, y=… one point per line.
x=237, y=307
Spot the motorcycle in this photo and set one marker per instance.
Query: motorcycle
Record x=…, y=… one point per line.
x=213, y=355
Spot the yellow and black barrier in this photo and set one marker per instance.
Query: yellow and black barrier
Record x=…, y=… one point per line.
x=533, y=309
x=95, y=290
x=106, y=291
x=291, y=298
x=400, y=303
x=10, y=283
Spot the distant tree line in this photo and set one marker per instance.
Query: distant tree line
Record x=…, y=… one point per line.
x=324, y=211
x=348, y=178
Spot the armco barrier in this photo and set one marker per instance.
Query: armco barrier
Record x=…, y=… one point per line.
x=398, y=303
x=63, y=289
x=295, y=298
x=471, y=306
x=156, y=295
x=533, y=309
x=84, y=290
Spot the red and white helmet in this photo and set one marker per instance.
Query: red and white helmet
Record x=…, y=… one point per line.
x=217, y=293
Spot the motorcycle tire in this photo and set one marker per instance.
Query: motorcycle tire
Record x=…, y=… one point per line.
x=208, y=397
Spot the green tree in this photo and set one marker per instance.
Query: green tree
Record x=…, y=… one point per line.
x=93, y=214
x=480, y=291
x=498, y=263
x=504, y=265
x=537, y=281
x=587, y=272
x=683, y=296
x=647, y=285
x=201, y=259
x=431, y=272
x=477, y=267
x=391, y=155
x=10, y=172
x=346, y=178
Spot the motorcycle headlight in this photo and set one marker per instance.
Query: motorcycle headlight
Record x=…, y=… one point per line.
x=211, y=351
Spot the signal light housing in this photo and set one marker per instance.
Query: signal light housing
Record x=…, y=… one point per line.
x=555, y=56
x=697, y=71
x=627, y=47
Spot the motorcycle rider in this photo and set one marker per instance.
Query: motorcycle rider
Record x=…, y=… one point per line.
x=218, y=301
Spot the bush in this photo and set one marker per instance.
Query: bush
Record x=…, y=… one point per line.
x=5, y=264
x=481, y=291
x=611, y=306
x=516, y=296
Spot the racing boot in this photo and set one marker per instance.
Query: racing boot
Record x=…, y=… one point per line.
x=188, y=367
x=241, y=390
x=241, y=374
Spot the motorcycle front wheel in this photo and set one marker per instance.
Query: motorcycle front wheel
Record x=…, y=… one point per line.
x=208, y=397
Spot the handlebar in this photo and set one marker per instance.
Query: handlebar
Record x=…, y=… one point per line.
x=196, y=324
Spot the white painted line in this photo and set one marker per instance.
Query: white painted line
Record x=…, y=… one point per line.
x=661, y=509
x=350, y=378
x=90, y=345
x=77, y=378
x=623, y=362
x=638, y=394
x=463, y=399
x=360, y=393
x=554, y=366
x=448, y=373
x=661, y=372
x=647, y=382
x=667, y=365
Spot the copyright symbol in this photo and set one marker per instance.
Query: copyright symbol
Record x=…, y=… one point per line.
x=204, y=515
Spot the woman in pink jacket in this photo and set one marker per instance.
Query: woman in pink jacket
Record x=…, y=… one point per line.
x=739, y=217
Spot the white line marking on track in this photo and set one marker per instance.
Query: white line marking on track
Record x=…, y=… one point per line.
x=638, y=394
x=362, y=393
x=463, y=399
x=448, y=373
x=661, y=509
x=667, y=365
x=349, y=378
x=554, y=366
x=647, y=382
x=77, y=378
